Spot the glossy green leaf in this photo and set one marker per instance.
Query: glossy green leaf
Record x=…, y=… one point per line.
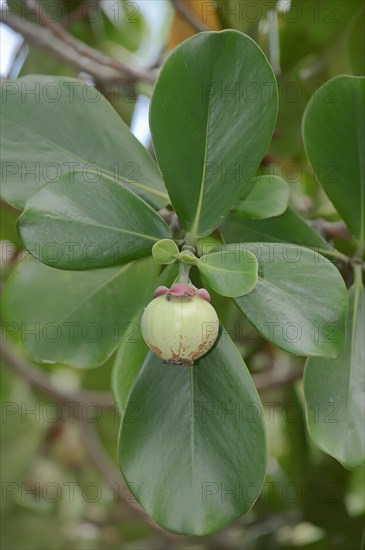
x=211, y=122
x=300, y=301
x=129, y=359
x=268, y=198
x=289, y=228
x=193, y=440
x=132, y=350
x=335, y=391
x=334, y=137
x=228, y=274
x=165, y=251
x=53, y=125
x=76, y=318
x=82, y=222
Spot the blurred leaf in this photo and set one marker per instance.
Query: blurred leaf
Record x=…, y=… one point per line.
x=33, y=529
x=22, y=423
x=296, y=458
x=300, y=301
x=268, y=198
x=243, y=15
x=204, y=122
x=8, y=220
x=356, y=44
x=75, y=318
x=54, y=125
x=88, y=221
x=123, y=23
x=307, y=27
x=334, y=137
x=227, y=274
x=335, y=391
x=289, y=227
x=287, y=141
x=191, y=433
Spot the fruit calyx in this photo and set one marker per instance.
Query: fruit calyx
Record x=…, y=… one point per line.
x=182, y=290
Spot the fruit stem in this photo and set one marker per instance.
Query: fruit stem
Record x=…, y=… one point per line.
x=184, y=270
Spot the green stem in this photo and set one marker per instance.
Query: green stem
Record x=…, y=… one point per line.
x=184, y=270
x=333, y=254
x=357, y=268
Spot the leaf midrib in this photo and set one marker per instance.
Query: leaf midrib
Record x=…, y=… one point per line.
x=98, y=225
x=195, y=226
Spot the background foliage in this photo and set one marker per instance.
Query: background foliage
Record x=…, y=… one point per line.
x=60, y=482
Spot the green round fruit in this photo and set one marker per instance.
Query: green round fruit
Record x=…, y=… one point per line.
x=179, y=329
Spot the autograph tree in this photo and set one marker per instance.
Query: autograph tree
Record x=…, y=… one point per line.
x=100, y=248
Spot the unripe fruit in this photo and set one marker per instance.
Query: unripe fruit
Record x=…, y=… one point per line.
x=180, y=326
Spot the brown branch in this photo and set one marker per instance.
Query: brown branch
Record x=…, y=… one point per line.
x=91, y=441
x=263, y=381
x=41, y=381
x=54, y=38
x=330, y=230
x=275, y=378
x=182, y=9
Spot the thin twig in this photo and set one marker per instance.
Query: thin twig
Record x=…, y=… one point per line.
x=42, y=382
x=330, y=230
x=275, y=378
x=91, y=441
x=55, y=39
x=270, y=379
x=182, y=9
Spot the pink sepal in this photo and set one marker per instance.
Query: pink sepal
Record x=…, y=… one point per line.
x=181, y=289
x=203, y=294
x=160, y=291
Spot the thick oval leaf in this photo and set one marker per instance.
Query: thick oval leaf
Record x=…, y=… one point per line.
x=192, y=445
x=76, y=318
x=132, y=350
x=83, y=222
x=213, y=112
x=227, y=274
x=128, y=360
x=335, y=391
x=300, y=300
x=289, y=228
x=165, y=251
x=269, y=197
x=53, y=125
x=337, y=110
